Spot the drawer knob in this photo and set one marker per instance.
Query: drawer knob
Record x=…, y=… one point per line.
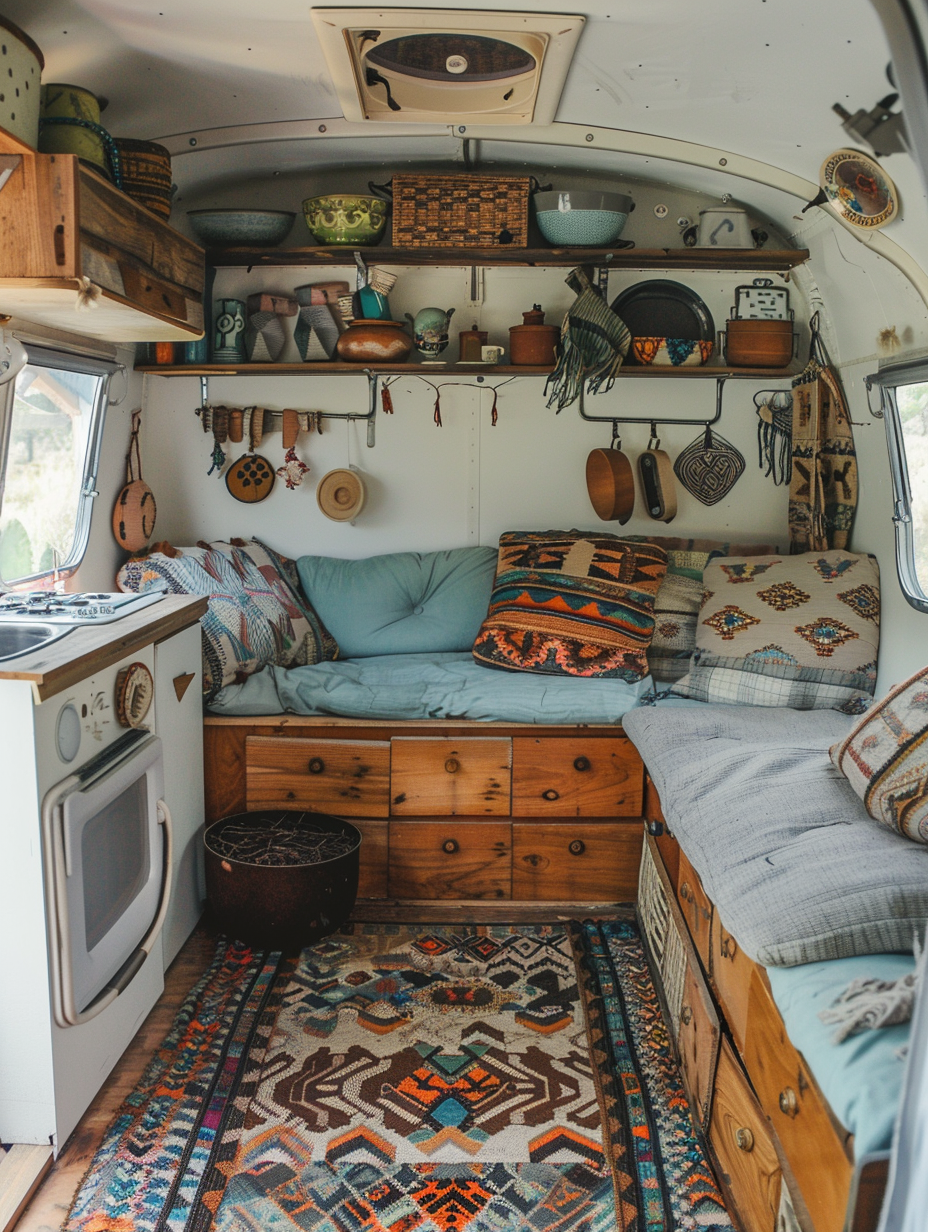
x=789, y=1104
x=450, y=846
x=577, y=847
x=744, y=1140
x=686, y=893
x=452, y=765
x=316, y=765
x=550, y=794
x=686, y=1015
x=581, y=763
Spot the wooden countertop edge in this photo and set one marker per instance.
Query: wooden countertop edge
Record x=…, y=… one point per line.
x=90, y=648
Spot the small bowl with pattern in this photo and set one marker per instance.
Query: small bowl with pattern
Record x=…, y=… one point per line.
x=582, y=218
x=226, y=228
x=346, y=219
x=672, y=352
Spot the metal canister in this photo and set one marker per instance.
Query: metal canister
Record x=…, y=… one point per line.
x=75, y=116
x=19, y=108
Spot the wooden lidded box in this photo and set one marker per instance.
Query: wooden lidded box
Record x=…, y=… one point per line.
x=460, y=211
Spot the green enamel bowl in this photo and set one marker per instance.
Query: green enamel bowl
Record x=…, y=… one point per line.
x=354, y=220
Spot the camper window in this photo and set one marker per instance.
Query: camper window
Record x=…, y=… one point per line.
x=53, y=416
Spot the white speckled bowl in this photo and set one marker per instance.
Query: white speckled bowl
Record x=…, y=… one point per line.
x=226, y=227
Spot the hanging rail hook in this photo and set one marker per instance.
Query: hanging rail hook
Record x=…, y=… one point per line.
x=878, y=413
x=646, y=419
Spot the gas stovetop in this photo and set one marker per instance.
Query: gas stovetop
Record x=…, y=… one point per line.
x=85, y=608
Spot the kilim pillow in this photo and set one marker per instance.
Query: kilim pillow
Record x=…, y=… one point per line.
x=800, y=631
x=885, y=758
x=254, y=616
x=568, y=603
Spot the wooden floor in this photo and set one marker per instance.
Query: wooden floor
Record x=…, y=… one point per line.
x=50, y=1204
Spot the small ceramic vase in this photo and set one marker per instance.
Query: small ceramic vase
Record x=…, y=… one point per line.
x=228, y=341
x=366, y=342
x=430, y=330
x=316, y=332
x=265, y=333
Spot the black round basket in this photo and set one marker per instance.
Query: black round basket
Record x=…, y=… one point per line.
x=280, y=879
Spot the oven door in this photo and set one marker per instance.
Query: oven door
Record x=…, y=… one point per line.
x=107, y=838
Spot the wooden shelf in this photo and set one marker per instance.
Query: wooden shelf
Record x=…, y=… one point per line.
x=734, y=259
x=451, y=369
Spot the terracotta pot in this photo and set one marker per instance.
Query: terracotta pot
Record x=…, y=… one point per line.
x=533, y=344
x=370, y=342
x=759, y=344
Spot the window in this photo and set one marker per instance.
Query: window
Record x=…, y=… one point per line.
x=54, y=422
x=904, y=403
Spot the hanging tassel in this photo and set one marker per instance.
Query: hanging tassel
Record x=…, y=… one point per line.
x=775, y=435
x=494, y=414
x=87, y=294
x=219, y=459
x=386, y=400
x=437, y=415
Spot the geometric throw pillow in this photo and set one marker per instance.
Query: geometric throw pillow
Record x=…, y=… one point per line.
x=885, y=758
x=572, y=603
x=253, y=617
x=799, y=631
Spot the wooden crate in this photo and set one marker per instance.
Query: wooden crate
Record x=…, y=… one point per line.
x=460, y=211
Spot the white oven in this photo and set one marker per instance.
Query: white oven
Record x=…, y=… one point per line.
x=106, y=835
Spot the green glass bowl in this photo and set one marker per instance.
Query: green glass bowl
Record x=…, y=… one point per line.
x=354, y=220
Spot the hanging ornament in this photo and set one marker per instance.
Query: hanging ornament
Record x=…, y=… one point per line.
x=709, y=467
x=135, y=511
x=293, y=469
x=775, y=433
x=250, y=479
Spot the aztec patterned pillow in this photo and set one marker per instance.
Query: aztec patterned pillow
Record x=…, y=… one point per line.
x=885, y=758
x=571, y=603
x=676, y=608
x=799, y=631
x=254, y=616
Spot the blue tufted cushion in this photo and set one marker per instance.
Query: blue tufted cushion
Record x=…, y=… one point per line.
x=403, y=603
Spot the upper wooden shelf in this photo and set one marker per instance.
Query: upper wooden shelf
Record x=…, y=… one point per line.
x=411, y=368
x=615, y=258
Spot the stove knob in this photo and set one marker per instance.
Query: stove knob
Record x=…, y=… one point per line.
x=68, y=733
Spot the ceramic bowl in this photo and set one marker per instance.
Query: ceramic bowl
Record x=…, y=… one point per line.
x=355, y=220
x=582, y=218
x=674, y=352
x=222, y=228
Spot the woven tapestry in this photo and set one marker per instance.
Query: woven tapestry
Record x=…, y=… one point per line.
x=568, y=603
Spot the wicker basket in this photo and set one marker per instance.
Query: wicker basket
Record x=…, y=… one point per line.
x=146, y=174
x=460, y=211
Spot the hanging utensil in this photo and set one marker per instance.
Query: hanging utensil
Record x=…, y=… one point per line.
x=709, y=467
x=610, y=481
x=657, y=485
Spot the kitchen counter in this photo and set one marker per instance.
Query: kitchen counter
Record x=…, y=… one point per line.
x=86, y=649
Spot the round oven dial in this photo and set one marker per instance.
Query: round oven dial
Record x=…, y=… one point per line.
x=135, y=691
x=68, y=733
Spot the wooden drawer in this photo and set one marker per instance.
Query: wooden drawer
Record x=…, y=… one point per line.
x=800, y=1117
x=459, y=777
x=372, y=874
x=731, y=975
x=740, y=1137
x=571, y=862
x=350, y=778
x=698, y=1038
x=444, y=859
x=696, y=908
x=580, y=776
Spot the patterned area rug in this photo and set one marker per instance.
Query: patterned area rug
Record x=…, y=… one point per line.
x=413, y=1079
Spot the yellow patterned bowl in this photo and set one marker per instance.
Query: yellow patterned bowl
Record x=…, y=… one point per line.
x=346, y=219
x=672, y=352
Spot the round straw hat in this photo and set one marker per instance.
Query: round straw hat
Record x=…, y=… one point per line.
x=341, y=495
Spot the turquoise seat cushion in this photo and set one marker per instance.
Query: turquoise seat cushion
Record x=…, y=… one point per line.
x=862, y=1077
x=403, y=603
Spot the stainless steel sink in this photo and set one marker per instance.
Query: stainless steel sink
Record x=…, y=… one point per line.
x=19, y=638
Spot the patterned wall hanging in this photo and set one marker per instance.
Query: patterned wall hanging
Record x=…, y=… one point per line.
x=709, y=467
x=775, y=433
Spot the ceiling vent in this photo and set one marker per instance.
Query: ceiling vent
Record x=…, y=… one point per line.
x=428, y=66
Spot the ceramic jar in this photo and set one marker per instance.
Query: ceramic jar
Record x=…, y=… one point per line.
x=374, y=342
x=430, y=330
x=533, y=342
x=19, y=111
x=228, y=331
x=471, y=342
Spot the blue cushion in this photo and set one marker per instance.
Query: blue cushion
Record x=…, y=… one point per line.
x=404, y=603
x=862, y=1077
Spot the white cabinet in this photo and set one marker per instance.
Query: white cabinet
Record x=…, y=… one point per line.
x=179, y=723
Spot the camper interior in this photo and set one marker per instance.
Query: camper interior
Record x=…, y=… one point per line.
x=463, y=613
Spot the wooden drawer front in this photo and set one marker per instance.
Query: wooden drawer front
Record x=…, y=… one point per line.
x=731, y=974
x=445, y=859
x=350, y=778
x=698, y=1042
x=467, y=777
x=696, y=908
x=740, y=1137
x=372, y=874
x=799, y=1115
x=564, y=861
x=581, y=776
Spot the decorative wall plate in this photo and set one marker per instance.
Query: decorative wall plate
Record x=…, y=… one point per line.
x=135, y=691
x=859, y=189
x=250, y=479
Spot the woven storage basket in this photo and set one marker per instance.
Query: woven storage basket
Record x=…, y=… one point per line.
x=460, y=211
x=146, y=174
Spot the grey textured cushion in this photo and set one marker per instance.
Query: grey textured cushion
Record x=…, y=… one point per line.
x=785, y=849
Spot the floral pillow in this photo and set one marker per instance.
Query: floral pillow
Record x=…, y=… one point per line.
x=885, y=758
x=254, y=617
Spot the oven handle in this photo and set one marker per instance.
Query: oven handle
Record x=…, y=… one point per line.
x=127, y=972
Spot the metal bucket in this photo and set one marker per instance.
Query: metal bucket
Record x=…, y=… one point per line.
x=22, y=63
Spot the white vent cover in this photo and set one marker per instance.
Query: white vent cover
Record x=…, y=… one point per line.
x=431, y=66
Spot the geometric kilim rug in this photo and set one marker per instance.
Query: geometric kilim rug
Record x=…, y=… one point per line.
x=413, y=1078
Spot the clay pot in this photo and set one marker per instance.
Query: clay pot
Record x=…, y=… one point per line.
x=533, y=344
x=374, y=342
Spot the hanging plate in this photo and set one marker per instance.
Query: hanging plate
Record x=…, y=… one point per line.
x=859, y=189
x=250, y=479
x=709, y=467
x=661, y=308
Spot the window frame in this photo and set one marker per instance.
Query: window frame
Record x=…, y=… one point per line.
x=68, y=361
x=887, y=380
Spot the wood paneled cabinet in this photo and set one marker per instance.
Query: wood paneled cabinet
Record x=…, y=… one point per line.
x=463, y=812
